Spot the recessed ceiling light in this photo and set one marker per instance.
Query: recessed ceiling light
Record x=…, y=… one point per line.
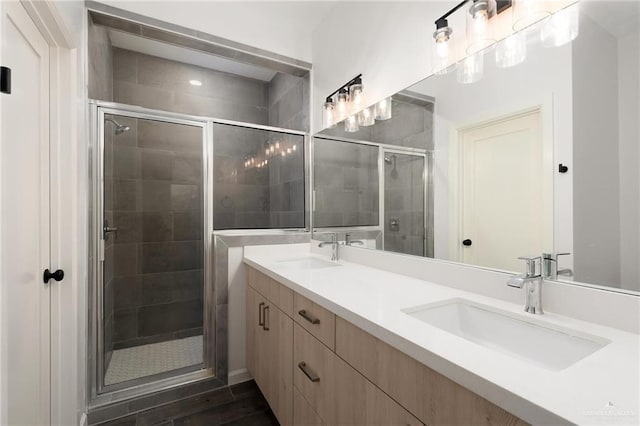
x=195, y=82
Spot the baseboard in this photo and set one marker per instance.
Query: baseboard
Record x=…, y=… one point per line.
x=239, y=376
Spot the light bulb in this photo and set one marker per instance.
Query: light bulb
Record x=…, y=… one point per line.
x=479, y=34
x=356, y=95
x=383, y=109
x=342, y=105
x=527, y=13
x=295, y=147
x=562, y=27
x=328, y=114
x=442, y=50
x=351, y=124
x=366, y=117
x=512, y=50
x=480, y=22
x=470, y=69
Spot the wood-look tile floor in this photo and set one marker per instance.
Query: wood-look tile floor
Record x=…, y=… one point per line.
x=241, y=404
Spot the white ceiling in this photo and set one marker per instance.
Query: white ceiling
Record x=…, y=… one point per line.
x=180, y=54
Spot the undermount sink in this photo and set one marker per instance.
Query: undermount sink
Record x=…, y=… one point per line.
x=307, y=263
x=551, y=347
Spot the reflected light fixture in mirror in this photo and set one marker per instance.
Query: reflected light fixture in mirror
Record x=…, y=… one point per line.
x=351, y=124
x=383, y=109
x=342, y=104
x=366, y=117
x=562, y=27
x=512, y=50
x=471, y=68
x=527, y=13
x=442, y=48
x=479, y=32
x=329, y=114
x=356, y=94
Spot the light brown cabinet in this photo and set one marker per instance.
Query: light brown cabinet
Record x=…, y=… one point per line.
x=269, y=353
x=315, y=368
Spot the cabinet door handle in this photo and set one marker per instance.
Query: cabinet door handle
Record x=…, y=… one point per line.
x=260, y=314
x=304, y=314
x=265, y=325
x=307, y=372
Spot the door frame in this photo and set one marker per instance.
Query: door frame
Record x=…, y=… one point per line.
x=67, y=221
x=542, y=105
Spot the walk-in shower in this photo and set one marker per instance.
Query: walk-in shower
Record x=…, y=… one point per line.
x=162, y=183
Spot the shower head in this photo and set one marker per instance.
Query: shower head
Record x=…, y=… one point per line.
x=119, y=127
x=392, y=160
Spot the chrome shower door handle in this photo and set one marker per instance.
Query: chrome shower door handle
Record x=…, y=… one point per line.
x=106, y=230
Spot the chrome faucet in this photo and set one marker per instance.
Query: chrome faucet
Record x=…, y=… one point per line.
x=348, y=241
x=550, y=269
x=334, y=246
x=532, y=282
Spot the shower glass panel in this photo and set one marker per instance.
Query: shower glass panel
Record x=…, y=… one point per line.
x=259, y=178
x=346, y=184
x=152, y=288
x=405, y=203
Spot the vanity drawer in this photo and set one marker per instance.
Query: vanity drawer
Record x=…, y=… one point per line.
x=430, y=396
x=303, y=412
x=277, y=293
x=313, y=371
x=315, y=319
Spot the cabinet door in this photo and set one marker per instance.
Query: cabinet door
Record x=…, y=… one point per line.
x=278, y=354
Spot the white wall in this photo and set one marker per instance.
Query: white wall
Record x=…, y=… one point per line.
x=388, y=42
x=629, y=157
x=280, y=27
x=544, y=76
x=596, y=175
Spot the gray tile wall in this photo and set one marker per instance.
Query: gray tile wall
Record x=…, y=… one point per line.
x=156, y=203
x=346, y=184
x=404, y=201
x=288, y=102
x=100, y=58
x=159, y=83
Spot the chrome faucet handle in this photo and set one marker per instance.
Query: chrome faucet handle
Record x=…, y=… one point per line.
x=531, y=268
x=553, y=256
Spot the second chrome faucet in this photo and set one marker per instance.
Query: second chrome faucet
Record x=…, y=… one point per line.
x=531, y=280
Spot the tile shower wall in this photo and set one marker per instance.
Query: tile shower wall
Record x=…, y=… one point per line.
x=156, y=255
x=100, y=58
x=288, y=102
x=346, y=184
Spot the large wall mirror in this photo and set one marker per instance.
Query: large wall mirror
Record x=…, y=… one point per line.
x=541, y=157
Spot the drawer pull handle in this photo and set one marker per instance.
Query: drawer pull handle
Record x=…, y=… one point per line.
x=260, y=314
x=307, y=372
x=265, y=325
x=309, y=317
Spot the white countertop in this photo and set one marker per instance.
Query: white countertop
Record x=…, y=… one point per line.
x=603, y=388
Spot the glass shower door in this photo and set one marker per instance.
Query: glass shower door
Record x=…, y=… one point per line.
x=405, y=202
x=154, y=239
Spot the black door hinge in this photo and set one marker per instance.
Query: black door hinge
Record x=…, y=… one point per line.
x=5, y=80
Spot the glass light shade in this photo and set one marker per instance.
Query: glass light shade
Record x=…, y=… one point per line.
x=442, y=51
x=356, y=96
x=479, y=29
x=562, y=27
x=367, y=117
x=528, y=12
x=351, y=124
x=328, y=115
x=383, y=109
x=512, y=50
x=342, y=105
x=470, y=69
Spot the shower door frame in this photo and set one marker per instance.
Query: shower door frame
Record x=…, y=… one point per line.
x=427, y=179
x=101, y=394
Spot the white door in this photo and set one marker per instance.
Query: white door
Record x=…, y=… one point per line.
x=505, y=208
x=24, y=253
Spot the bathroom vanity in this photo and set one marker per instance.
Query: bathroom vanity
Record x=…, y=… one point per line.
x=344, y=343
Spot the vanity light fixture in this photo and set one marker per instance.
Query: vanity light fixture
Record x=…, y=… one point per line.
x=367, y=117
x=351, y=124
x=383, y=109
x=557, y=28
x=349, y=98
